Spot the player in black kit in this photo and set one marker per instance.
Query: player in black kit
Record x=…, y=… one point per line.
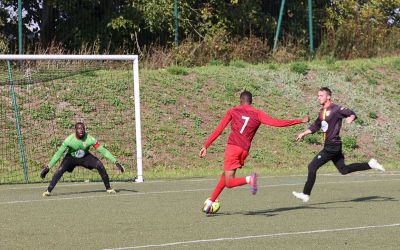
x=330, y=122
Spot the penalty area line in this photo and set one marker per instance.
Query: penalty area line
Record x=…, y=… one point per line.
x=258, y=236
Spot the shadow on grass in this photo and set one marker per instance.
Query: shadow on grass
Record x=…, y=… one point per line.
x=361, y=199
x=318, y=206
x=94, y=191
x=276, y=211
x=373, y=199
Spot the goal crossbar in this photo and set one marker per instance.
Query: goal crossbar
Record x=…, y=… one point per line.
x=70, y=57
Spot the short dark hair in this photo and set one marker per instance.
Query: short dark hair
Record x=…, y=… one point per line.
x=326, y=89
x=247, y=96
x=79, y=123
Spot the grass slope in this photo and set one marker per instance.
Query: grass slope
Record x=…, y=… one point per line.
x=182, y=106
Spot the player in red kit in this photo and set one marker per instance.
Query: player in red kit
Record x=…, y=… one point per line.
x=245, y=120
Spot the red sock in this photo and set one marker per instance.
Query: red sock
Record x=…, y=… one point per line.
x=218, y=189
x=235, y=182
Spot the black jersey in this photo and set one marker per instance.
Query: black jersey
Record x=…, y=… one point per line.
x=330, y=122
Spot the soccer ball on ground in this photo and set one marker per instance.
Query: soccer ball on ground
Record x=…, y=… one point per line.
x=215, y=206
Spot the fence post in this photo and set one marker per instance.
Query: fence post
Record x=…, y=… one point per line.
x=176, y=19
x=17, y=122
x=278, y=28
x=20, y=27
x=310, y=27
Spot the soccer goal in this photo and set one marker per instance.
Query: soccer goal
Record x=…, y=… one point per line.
x=43, y=96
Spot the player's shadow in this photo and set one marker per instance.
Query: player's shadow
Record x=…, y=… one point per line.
x=125, y=190
x=276, y=211
x=361, y=199
x=95, y=191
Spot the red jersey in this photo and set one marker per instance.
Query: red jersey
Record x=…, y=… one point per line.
x=245, y=121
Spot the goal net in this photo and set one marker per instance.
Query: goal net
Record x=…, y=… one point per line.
x=43, y=96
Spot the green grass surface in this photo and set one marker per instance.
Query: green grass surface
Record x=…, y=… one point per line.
x=357, y=211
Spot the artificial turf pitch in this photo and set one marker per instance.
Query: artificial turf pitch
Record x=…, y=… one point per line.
x=357, y=211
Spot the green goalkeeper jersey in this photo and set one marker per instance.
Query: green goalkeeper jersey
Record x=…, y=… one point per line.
x=78, y=148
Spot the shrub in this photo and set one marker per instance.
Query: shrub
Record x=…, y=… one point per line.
x=359, y=121
x=250, y=49
x=313, y=139
x=299, y=67
x=396, y=64
x=330, y=60
x=44, y=112
x=215, y=62
x=291, y=48
x=372, y=115
x=177, y=70
x=273, y=66
x=238, y=63
x=349, y=142
x=398, y=144
x=372, y=81
x=356, y=29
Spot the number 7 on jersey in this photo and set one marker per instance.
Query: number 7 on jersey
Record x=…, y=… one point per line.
x=246, y=120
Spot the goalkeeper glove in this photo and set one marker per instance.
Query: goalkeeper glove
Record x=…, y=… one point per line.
x=120, y=167
x=44, y=171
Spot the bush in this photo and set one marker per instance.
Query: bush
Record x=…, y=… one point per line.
x=398, y=145
x=330, y=60
x=3, y=45
x=44, y=112
x=273, y=66
x=313, y=139
x=349, y=142
x=215, y=62
x=359, y=121
x=250, y=49
x=291, y=48
x=355, y=29
x=396, y=64
x=176, y=70
x=372, y=115
x=372, y=81
x=299, y=67
x=238, y=64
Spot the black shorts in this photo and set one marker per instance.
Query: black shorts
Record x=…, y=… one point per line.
x=89, y=161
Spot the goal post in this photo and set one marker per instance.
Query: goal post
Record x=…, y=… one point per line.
x=53, y=98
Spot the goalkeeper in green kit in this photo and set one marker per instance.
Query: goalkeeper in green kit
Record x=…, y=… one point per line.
x=77, y=146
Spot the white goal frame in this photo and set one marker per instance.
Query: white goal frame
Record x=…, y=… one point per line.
x=135, y=65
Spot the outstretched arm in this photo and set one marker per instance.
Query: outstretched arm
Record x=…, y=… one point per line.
x=301, y=135
x=46, y=168
x=61, y=150
x=107, y=154
x=315, y=126
x=312, y=129
x=217, y=132
x=268, y=120
x=104, y=152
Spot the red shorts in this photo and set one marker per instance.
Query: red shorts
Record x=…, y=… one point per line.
x=234, y=157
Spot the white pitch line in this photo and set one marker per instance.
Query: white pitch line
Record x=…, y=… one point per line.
x=257, y=236
x=47, y=199
x=23, y=187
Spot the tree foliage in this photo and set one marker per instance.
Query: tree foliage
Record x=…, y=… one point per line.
x=342, y=28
